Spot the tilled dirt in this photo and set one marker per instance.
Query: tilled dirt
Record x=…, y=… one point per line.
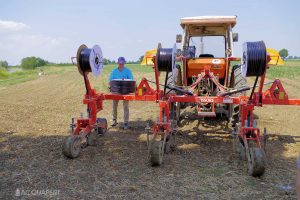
x=35, y=118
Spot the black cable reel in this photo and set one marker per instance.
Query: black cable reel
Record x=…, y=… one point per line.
x=254, y=60
x=166, y=62
x=89, y=60
x=166, y=59
x=122, y=86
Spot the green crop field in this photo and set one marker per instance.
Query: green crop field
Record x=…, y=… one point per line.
x=291, y=69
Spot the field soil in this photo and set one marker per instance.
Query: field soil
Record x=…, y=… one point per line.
x=35, y=118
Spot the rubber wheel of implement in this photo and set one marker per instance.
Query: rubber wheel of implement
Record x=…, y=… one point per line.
x=156, y=152
x=256, y=162
x=240, y=149
x=170, y=143
x=102, y=130
x=92, y=138
x=72, y=146
x=237, y=81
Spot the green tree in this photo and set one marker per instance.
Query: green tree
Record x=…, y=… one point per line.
x=32, y=62
x=284, y=53
x=4, y=64
x=106, y=61
x=141, y=59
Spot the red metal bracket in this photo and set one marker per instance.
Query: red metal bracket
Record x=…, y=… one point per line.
x=277, y=95
x=144, y=88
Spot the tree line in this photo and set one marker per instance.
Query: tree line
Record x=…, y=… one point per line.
x=34, y=62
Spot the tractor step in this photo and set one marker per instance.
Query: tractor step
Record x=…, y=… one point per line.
x=206, y=114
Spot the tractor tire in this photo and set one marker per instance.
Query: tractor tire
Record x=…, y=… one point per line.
x=175, y=107
x=236, y=81
x=256, y=161
x=177, y=81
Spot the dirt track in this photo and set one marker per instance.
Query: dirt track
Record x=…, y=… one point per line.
x=35, y=117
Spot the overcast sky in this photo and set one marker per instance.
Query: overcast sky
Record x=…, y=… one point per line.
x=54, y=29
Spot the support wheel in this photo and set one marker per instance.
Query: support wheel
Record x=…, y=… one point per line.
x=92, y=138
x=156, y=152
x=170, y=143
x=256, y=161
x=102, y=126
x=239, y=148
x=72, y=146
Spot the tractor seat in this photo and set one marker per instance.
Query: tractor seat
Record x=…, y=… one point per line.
x=206, y=56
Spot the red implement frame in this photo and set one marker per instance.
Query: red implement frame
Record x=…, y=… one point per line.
x=275, y=95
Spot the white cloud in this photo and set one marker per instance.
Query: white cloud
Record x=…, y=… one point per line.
x=12, y=26
x=14, y=47
x=33, y=40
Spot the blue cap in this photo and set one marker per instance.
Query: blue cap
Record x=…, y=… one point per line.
x=121, y=60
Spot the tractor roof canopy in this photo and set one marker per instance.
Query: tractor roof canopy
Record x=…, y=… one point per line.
x=207, y=25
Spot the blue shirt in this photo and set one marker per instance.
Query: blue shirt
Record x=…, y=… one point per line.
x=124, y=74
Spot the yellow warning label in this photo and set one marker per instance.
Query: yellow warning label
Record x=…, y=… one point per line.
x=140, y=92
x=281, y=95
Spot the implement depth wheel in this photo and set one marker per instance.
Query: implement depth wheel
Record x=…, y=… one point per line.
x=171, y=143
x=239, y=148
x=102, y=130
x=156, y=152
x=256, y=161
x=92, y=138
x=72, y=146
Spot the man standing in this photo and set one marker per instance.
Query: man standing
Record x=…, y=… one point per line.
x=121, y=72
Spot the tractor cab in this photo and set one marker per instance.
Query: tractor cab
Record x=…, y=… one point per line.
x=207, y=42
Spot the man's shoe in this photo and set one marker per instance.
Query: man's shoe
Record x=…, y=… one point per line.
x=114, y=123
x=126, y=126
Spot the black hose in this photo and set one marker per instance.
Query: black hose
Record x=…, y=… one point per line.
x=178, y=89
x=122, y=86
x=84, y=60
x=254, y=59
x=254, y=86
x=164, y=59
x=166, y=82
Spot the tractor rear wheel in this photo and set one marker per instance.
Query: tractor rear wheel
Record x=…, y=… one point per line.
x=236, y=81
x=174, y=81
x=72, y=146
x=256, y=161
